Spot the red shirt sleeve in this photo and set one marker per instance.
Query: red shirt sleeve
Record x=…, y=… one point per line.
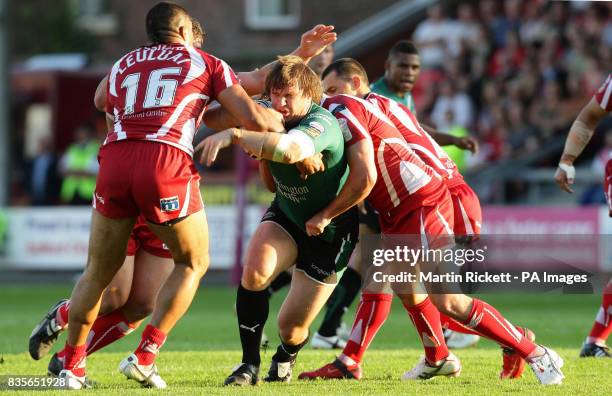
x=352, y=123
x=222, y=76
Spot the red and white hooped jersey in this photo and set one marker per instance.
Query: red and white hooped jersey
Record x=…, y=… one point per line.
x=159, y=93
x=603, y=96
x=418, y=139
x=403, y=178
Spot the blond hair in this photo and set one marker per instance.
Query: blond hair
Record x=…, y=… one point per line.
x=290, y=70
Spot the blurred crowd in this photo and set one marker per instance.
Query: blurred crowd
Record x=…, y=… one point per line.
x=68, y=179
x=512, y=73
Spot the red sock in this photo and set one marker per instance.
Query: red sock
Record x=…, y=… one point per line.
x=61, y=316
x=152, y=340
x=74, y=359
x=107, y=329
x=371, y=314
x=452, y=324
x=603, y=321
x=426, y=319
x=487, y=321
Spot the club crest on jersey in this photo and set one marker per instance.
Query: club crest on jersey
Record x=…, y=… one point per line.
x=169, y=204
x=314, y=129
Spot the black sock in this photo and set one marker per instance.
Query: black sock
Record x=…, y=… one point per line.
x=286, y=352
x=252, y=308
x=339, y=301
x=282, y=280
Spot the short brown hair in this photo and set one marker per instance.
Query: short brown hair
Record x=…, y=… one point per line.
x=346, y=68
x=163, y=18
x=292, y=70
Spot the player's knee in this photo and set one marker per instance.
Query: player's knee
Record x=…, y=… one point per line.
x=198, y=262
x=255, y=279
x=137, y=310
x=113, y=298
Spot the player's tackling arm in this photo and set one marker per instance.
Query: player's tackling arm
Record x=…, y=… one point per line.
x=100, y=95
x=312, y=43
x=359, y=183
x=246, y=112
x=287, y=148
x=100, y=101
x=444, y=139
x=579, y=136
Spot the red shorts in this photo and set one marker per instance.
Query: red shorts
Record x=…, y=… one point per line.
x=466, y=206
x=143, y=238
x=432, y=223
x=608, y=186
x=154, y=179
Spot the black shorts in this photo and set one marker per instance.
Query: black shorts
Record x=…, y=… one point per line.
x=317, y=258
x=370, y=218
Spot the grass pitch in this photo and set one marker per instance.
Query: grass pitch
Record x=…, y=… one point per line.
x=205, y=346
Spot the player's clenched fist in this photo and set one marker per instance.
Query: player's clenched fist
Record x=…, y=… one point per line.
x=311, y=165
x=316, y=225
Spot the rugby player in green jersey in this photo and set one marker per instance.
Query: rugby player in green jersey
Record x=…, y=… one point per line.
x=308, y=224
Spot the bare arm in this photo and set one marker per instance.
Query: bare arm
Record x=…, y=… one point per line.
x=286, y=148
x=579, y=136
x=582, y=130
x=444, y=139
x=312, y=43
x=246, y=112
x=360, y=181
x=100, y=95
x=218, y=118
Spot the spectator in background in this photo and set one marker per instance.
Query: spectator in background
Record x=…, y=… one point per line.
x=534, y=28
x=431, y=37
x=520, y=133
x=455, y=100
x=466, y=30
x=43, y=181
x=506, y=61
x=500, y=25
x=402, y=68
x=548, y=113
x=452, y=128
x=79, y=167
x=321, y=61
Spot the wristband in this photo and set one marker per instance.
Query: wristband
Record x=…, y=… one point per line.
x=569, y=170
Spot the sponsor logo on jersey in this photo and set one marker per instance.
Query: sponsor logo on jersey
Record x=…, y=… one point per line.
x=346, y=131
x=169, y=204
x=313, y=131
x=317, y=126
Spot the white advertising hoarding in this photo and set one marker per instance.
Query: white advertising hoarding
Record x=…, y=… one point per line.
x=57, y=238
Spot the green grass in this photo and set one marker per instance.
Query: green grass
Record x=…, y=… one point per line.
x=204, y=347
